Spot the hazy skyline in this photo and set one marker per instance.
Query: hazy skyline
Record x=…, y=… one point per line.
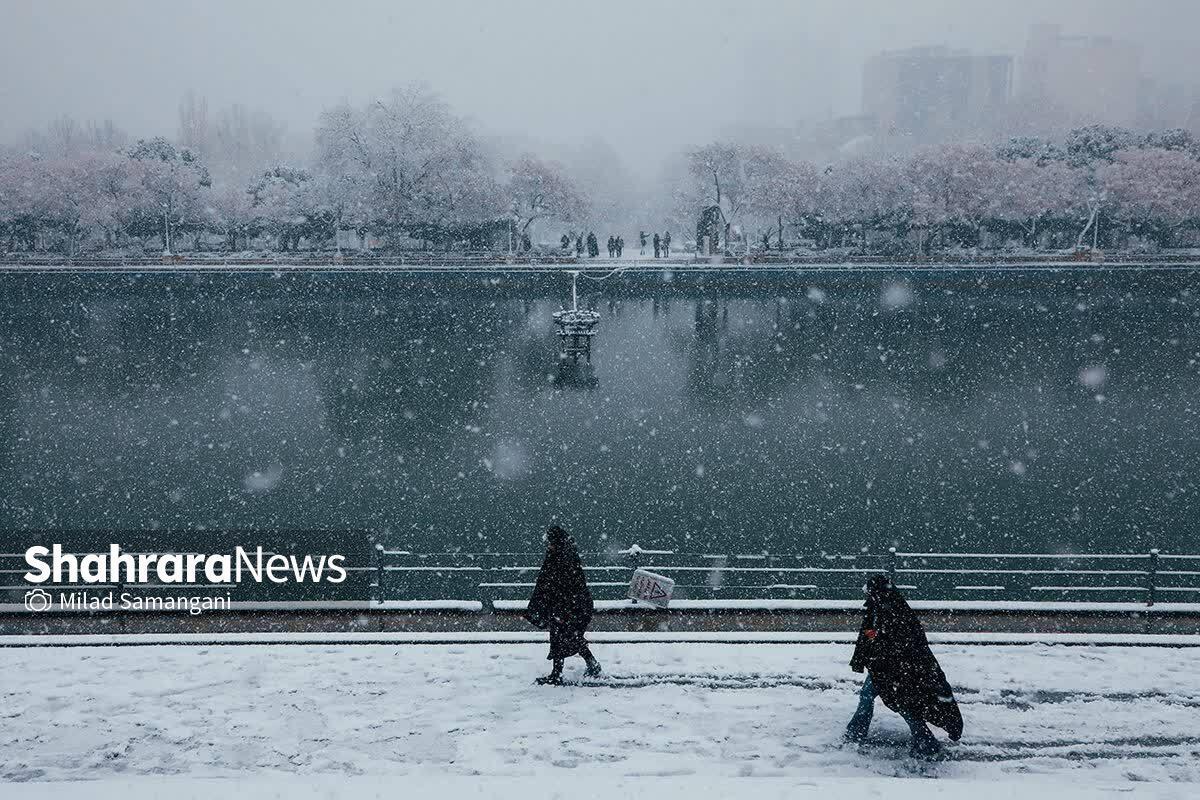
x=646, y=77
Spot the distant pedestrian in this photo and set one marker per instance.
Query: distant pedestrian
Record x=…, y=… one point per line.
x=565, y=242
x=579, y=246
x=593, y=246
x=612, y=247
x=642, y=243
x=562, y=604
x=620, y=245
x=657, y=245
x=902, y=670
x=666, y=243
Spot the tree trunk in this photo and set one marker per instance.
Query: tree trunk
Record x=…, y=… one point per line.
x=1091, y=221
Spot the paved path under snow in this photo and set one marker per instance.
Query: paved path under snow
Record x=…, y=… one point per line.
x=384, y=717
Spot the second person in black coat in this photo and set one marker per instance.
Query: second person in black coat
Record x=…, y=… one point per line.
x=562, y=603
x=902, y=671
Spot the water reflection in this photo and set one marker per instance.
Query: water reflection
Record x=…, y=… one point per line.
x=573, y=374
x=791, y=413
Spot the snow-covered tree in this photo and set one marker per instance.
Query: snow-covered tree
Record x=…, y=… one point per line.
x=954, y=185
x=1089, y=145
x=286, y=206
x=118, y=195
x=1154, y=191
x=537, y=190
x=1032, y=148
x=779, y=191
x=863, y=195
x=401, y=154
x=231, y=213
x=17, y=182
x=716, y=180
x=1035, y=195
x=173, y=180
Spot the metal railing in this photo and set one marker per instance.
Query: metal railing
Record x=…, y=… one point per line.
x=399, y=578
x=505, y=578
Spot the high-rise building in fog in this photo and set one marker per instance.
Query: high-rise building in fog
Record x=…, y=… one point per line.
x=1081, y=79
x=925, y=91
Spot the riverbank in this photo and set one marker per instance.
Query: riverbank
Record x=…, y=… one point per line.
x=753, y=621
x=423, y=260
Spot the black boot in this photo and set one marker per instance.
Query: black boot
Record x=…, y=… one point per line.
x=555, y=676
x=593, y=666
x=860, y=723
x=925, y=747
x=856, y=732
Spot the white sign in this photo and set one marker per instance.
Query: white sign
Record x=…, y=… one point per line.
x=651, y=588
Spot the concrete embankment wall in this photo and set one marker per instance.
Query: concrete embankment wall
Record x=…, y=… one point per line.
x=462, y=260
x=367, y=620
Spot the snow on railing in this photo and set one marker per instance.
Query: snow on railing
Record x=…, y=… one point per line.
x=396, y=576
x=635, y=550
x=765, y=577
x=1122, y=556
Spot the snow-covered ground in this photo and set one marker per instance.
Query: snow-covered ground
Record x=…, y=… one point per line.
x=667, y=720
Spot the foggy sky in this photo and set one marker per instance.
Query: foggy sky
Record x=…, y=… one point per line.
x=646, y=76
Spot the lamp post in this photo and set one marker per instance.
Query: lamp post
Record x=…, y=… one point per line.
x=166, y=232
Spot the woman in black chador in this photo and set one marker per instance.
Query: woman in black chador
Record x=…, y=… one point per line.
x=901, y=670
x=562, y=603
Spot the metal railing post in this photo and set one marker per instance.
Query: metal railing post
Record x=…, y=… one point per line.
x=716, y=577
x=487, y=567
x=892, y=564
x=635, y=561
x=375, y=594
x=1152, y=577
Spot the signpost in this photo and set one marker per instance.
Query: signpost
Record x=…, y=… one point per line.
x=651, y=588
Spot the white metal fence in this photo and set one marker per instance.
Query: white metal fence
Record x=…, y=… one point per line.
x=398, y=578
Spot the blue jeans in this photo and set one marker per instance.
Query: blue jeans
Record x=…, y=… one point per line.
x=861, y=721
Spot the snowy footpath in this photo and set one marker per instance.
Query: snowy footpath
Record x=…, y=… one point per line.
x=665, y=721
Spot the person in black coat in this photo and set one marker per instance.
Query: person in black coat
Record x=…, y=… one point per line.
x=593, y=246
x=666, y=244
x=657, y=245
x=562, y=603
x=902, y=671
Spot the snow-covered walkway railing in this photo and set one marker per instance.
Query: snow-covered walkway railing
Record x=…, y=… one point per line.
x=979, y=580
x=491, y=259
x=394, y=578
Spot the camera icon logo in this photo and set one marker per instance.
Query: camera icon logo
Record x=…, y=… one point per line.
x=37, y=600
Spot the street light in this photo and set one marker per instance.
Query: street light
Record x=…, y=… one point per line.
x=166, y=232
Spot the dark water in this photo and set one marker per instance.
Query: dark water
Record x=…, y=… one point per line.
x=1004, y=412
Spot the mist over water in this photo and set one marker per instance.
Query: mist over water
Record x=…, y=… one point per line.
x=796, y=413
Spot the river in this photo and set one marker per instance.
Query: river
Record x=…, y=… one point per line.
x=800, y=411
